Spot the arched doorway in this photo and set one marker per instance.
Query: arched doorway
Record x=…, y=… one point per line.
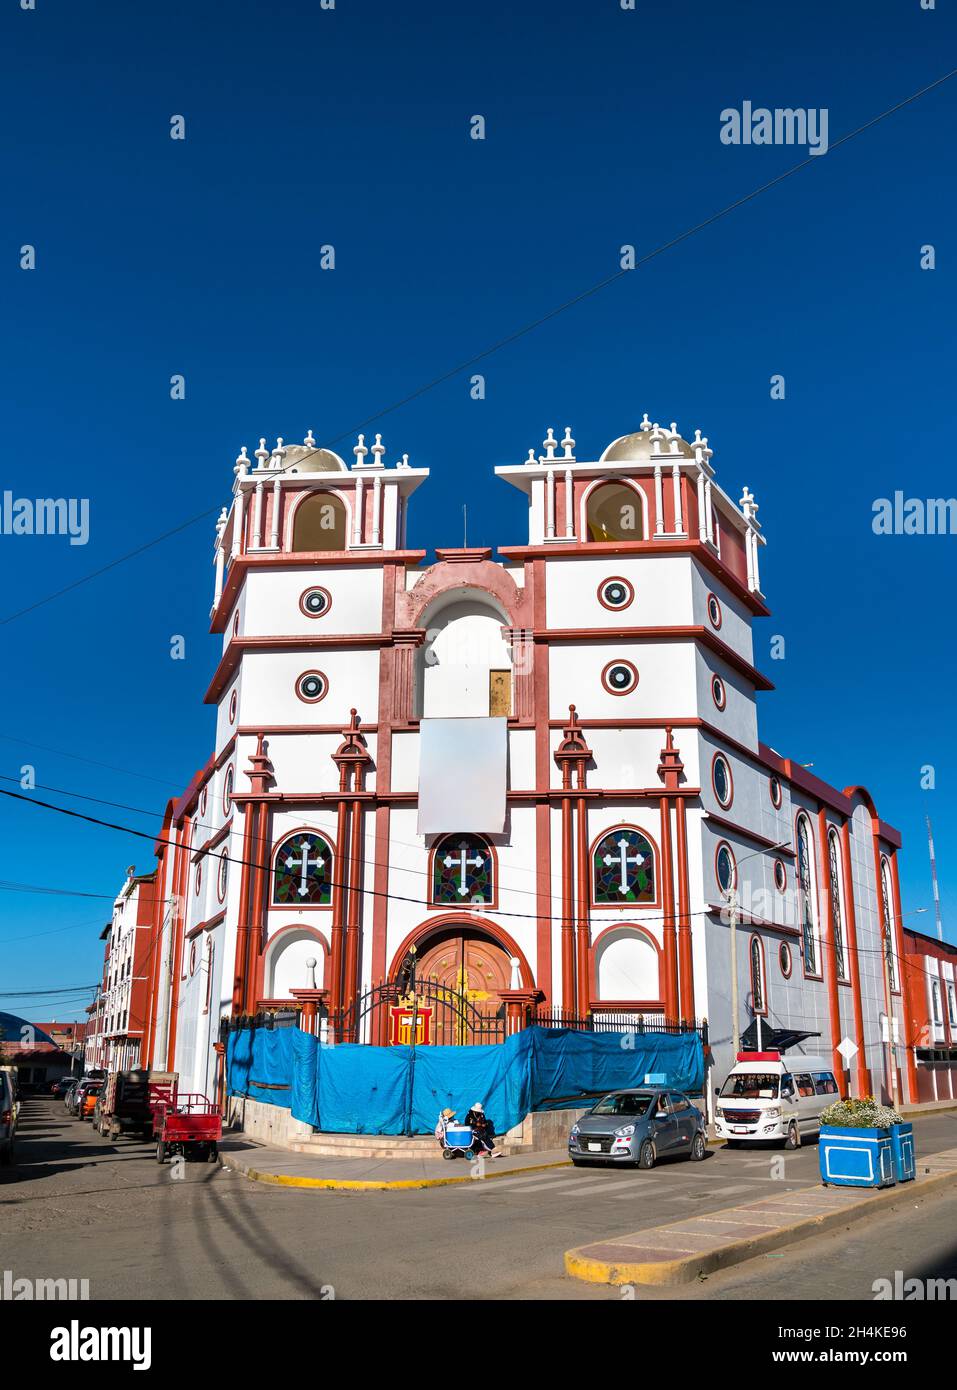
x=461, y=971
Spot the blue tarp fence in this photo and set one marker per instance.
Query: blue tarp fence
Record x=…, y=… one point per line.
x=350, y=1088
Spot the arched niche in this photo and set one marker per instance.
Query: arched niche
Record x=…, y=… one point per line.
x=464, y=667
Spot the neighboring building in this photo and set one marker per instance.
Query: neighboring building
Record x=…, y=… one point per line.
x=118, y=1016
x=543, y=773
x=930, y=971
x=39, y=1057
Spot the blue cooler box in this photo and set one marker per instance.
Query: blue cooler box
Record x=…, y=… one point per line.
x=458, y=1137
x=902, y=1144
x=856, y=1157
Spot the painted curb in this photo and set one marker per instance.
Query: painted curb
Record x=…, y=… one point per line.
x=370, y=1185
x=687, y=1268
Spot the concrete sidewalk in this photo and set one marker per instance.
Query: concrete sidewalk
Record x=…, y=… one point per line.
x=679, y=1252
x=262, y=1163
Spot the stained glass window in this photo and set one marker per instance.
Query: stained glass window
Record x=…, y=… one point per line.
x=807, y=897
x=837, y=920
x=303, y=871
x=888, y=930
x=462, y=871
x=757, y=977
x=624, y=868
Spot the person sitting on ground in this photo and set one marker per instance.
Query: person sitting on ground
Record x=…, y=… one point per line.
x=483, y=1130
x=446, y=1118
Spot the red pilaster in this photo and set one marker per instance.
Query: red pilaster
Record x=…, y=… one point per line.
x=834, y=1008
x=572, y=756
x=863, y=1082
x=907, y=983
x=685, y=951
x=670, y=769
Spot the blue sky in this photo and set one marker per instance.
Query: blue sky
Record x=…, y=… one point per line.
x=351, y=127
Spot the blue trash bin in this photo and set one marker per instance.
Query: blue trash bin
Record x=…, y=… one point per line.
x=902, y=1145
x=851, y=1157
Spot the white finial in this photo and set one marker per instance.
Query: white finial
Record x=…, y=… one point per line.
x=403, y=461
x=311, y=968
x=309, y=441
x=748, y=504
x=360, y=451
x=262, y=453
x=674, y=430
x=279, y=453
x=243, y=461
x=531, y=457
x=515, y=981
x=645, y=422
x=378, y=449
x=568, y=444
x=549, y=444
x=221, y=521
x=699, y=443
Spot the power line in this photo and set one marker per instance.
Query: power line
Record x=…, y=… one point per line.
x=674, y=917
x=505, y=341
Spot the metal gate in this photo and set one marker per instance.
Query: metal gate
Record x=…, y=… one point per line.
x=425, y=1014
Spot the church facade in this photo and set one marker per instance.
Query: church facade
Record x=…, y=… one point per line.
x=535, y=780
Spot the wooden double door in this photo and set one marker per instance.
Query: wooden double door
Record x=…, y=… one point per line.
x=468, y=967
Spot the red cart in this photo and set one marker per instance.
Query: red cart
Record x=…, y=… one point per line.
x=187, y=1124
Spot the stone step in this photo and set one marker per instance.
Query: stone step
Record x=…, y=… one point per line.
x=369, y=1146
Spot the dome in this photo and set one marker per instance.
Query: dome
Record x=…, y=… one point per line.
x=303, y=458
x=639, y=447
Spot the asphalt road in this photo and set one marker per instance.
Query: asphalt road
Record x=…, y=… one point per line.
x=76, y=1205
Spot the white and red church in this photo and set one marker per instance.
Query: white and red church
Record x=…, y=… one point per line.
x=532, y=780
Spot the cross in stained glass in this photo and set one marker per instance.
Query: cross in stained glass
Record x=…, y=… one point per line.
x=623, y=859
x=461, y=859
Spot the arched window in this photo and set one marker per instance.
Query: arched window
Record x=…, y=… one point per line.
x=837, y=909
x=758, y=997
x=302, y=872
x=887, y=928
x=623, y=869
x=806, y=896
x=463, y=871
x=614, y=513
x=320, y=523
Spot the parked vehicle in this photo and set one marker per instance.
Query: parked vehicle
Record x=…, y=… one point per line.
x=773, y=1099
x=188, y=1124
x=68, y=1091
x=638, y=1126
x=15, y=1089
x=59, y=1088
x=8, y=1120
x=88, y=1101
x=79, y=1091
x=128, y=1101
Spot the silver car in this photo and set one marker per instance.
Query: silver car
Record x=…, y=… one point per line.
x=638, y=1127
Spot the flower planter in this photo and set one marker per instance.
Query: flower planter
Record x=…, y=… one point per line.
x=902, y=1146
x=851, y=1157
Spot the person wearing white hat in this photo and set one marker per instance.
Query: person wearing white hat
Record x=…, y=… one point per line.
x=484, y=1131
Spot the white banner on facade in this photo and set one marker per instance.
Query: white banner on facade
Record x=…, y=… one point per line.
x=462, y=770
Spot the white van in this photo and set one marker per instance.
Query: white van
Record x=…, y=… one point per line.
x=771, y=1098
